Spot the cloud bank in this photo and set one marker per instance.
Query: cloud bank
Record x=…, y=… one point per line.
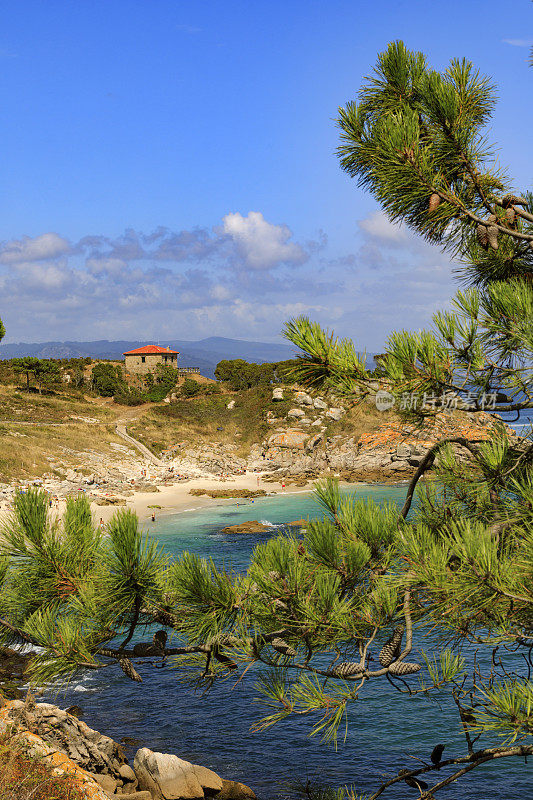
x=243, y=278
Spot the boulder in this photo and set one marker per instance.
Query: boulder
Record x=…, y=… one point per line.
x=231, y=404
x=233, y=790
x=107, y=783
x=67, y=734
x=126, y=773
x=291, y=438
x=335, y=413
x=403, y=451
x=168, y=777
x=303, y=399
x=277, y=395
x=296, y=412
x=320, y=404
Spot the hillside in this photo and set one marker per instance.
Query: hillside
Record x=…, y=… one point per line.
x=204, y=353
x=82, y=442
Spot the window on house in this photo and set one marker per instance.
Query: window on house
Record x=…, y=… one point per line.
x=143, y=359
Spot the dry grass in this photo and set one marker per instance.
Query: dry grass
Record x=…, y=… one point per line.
x=362, y=418
x=26, y=778
x=22, y=406
x=24, y=449
x=33, y=427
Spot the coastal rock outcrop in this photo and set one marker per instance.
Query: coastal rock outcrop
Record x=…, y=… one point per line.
x=65, y=733
x=247, y=527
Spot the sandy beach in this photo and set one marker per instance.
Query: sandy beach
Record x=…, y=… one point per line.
x=177, y=498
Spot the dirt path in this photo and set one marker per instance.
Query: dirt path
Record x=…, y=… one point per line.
x=120, y=430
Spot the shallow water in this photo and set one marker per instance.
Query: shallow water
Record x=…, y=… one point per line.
x=386, y=729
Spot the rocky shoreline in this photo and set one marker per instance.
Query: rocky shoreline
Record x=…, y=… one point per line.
x=99, y=764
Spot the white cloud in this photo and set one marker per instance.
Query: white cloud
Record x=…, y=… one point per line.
x=259, y=244
x=109, y=266
x=378, y=226
x=519, y=42
x=39, y=248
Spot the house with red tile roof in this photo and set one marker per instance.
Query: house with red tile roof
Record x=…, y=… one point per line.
x=145, y=359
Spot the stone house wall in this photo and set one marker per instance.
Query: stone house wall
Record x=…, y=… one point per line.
x=143, y=364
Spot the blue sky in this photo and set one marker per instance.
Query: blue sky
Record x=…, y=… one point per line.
x=168, y=167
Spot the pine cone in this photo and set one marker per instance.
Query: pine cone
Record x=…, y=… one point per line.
x=347, y=668
x=513, y=200
x=492, y=236
x=482, y=237
x=434, y=202
x=404, y=668
x=510, y=216
x=391, y=649
x=282, y=647
x=160, y=639
x=127, y=668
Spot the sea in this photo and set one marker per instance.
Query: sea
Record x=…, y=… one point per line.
x=387, y=731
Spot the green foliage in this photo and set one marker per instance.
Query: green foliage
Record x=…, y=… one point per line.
x=190, y=388
x=238, y=374
x=416, y=140
x=2, y=330
x=107, y=379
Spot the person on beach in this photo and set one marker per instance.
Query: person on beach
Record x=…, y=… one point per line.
x=153, y=516
x=282, y=487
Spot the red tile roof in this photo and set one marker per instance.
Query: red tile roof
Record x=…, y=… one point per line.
x=151, y=349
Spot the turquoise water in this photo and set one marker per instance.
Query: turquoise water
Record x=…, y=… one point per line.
x=386, y=729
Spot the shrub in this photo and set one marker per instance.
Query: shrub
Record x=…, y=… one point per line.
x=190, y=388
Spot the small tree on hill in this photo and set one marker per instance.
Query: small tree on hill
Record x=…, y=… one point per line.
x=47, y=373
x=25, y=366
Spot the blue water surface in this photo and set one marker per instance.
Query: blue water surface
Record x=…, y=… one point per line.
x=387, y=731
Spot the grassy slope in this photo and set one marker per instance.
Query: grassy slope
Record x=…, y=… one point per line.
x=24, y=447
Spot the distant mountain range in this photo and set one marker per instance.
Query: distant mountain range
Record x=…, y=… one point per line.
x=205, y=353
